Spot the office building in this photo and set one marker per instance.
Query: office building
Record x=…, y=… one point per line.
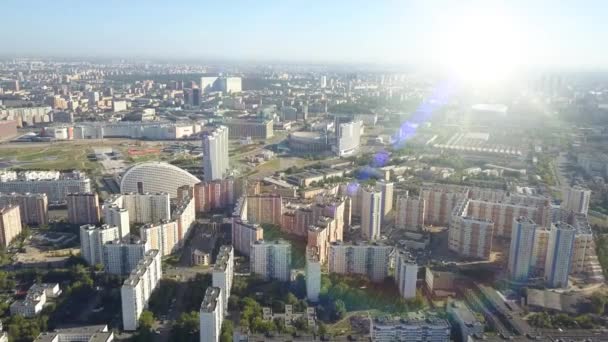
x=196, y=97
x=271, y=260
x=83, y=208
x=371, y=213
x=348, y=138
x=404, y=330
x=410, y=213
x=10, y=224
x=215, y=154
x=155, y=177
x=323, y=81
x=255, y=128
x=223, y=273
x=522, y=249
x=33, y=208
x=231, y=85
x=370, y=259
x=208, y=84
x=162, y=236
x=313, y=275
x=386, y=188
x=122, y=256
x=137, y=289
x=576, y=199
x=211, y=315
x=119, y=105
x=406, y=274
x=92, y=240
x=54, y=184
x=559, y=255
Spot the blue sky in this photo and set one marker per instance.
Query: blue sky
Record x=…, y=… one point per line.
x=556, y=32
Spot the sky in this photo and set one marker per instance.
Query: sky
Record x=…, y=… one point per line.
x=536, y=32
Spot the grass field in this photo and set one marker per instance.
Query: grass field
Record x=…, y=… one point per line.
x=53, y=156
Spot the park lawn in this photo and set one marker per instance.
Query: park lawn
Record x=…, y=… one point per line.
x=52, y=157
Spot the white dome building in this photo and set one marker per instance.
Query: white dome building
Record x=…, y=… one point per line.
x=156, y=177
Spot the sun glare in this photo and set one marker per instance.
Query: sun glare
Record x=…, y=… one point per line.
x=480, y=46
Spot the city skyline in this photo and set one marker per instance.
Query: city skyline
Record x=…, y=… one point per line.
x=542, y=34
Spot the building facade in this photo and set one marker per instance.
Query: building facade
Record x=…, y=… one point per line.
x=33, y=208
x=10, y=224
x=83, y=208
x=215, y=154
x=271, y=260
x=138, y=287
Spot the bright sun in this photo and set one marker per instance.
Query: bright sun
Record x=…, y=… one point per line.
x=480, y=46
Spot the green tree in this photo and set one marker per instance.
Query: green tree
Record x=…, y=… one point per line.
x=598, y=303
x=146, y=319
x=227, y=331
x=339, y=309
x=322, y=329
x=186, y=328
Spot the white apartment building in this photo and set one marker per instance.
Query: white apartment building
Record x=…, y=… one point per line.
x=348, y=138
x=559, y=255
x=215, y=154
x=521, y=249
x=115, y=215
x=370, y=259
x=577, y=199
x=271, y=260
x=122, y=257
x=223, y=273
x=162, y=236
x=211, y=315
x=406, y=274
x=313, y=275
x=371, y=214
x=136, y=290
x=92, y=240
x=386, y=188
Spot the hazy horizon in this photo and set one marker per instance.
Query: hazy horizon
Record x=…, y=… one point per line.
x=430, y=33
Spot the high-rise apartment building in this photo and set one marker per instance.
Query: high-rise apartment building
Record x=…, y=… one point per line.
x=115, y=215
x=559, y=254
x=122, y=257
x=313, y=275
x=137, y=289
x=162, y=236
x=147, y=207
x=271, y=260
x=470, y=236
x=32, y=207
x=217, y=194
x=215, y=154
x=231, y=85
x=410, y=213
x=370, y=259
x=371, y=213
x=244, y=234
x=92, y=240
x=386, y=188
x=348, y=138
x=406, y=274
x=10, y=224
x=265, y=208
x=577, y=200
x=223, y=273
x=83, y=208
x=521, y=251
x=211, y=315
